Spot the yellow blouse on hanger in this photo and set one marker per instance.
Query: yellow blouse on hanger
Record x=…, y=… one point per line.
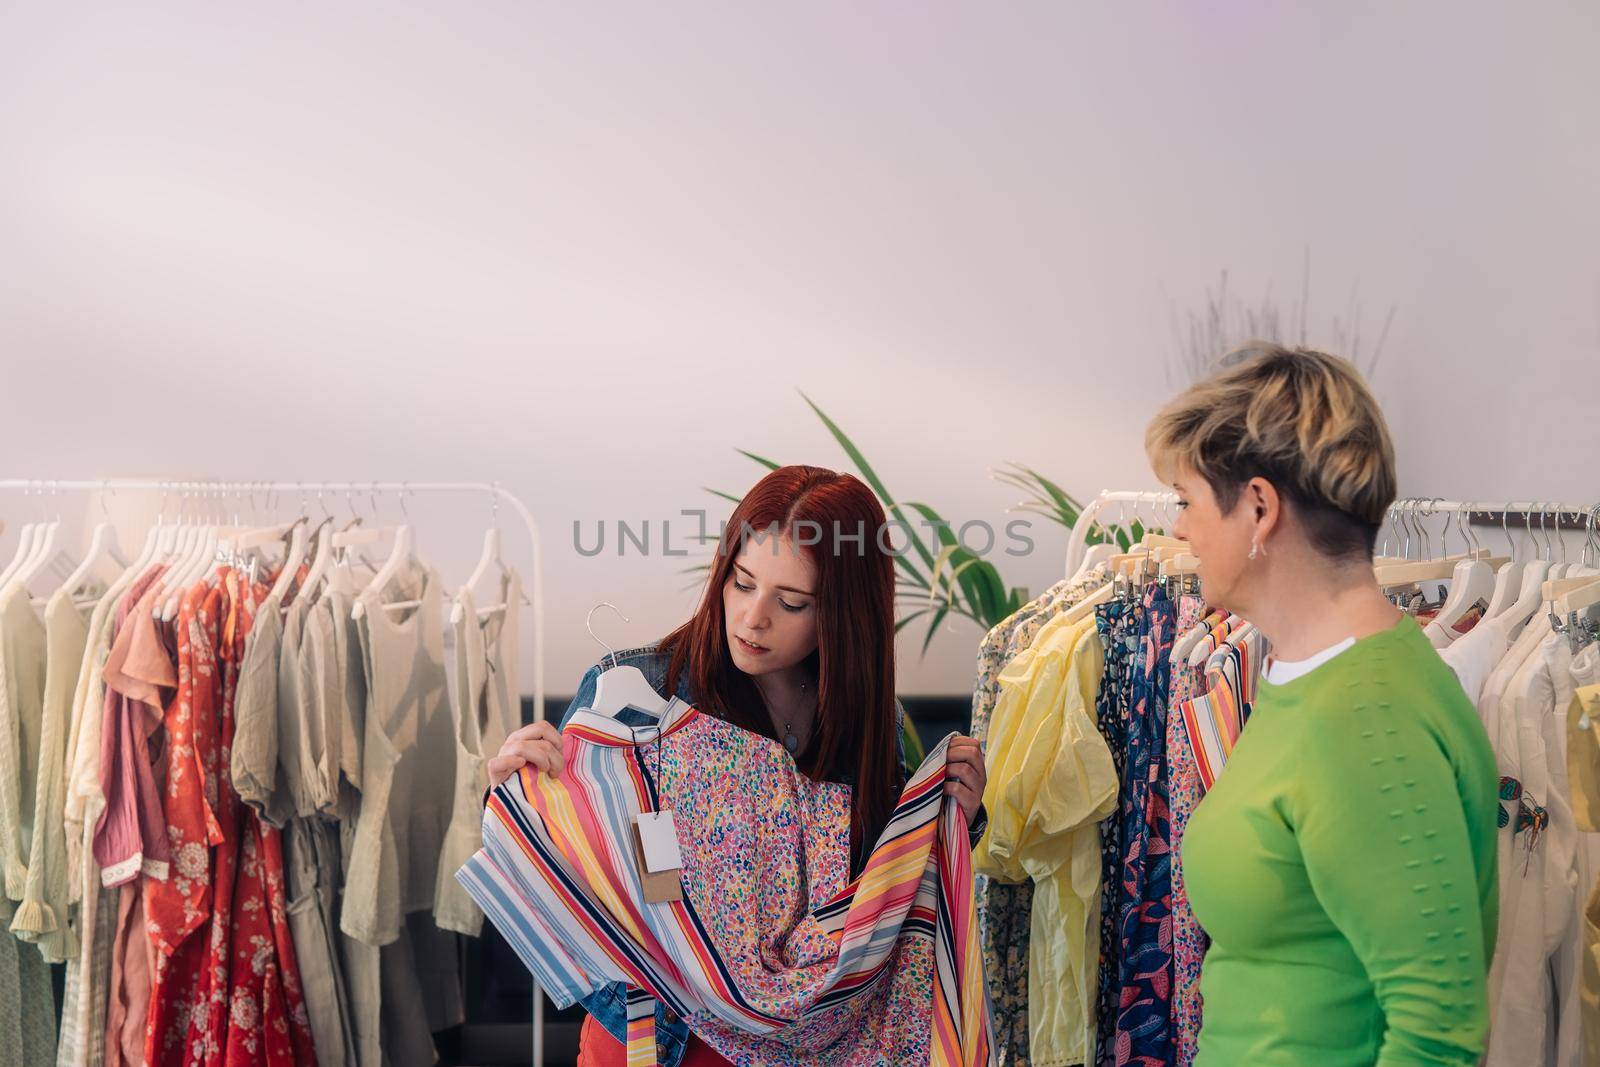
x=1051, y=780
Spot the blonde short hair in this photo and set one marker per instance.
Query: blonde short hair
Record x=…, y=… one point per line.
x=1305, y=421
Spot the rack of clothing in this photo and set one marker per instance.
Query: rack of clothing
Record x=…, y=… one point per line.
x=1110, y=704
x=214, y=808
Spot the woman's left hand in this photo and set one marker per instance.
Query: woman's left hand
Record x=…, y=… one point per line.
x=965, y=775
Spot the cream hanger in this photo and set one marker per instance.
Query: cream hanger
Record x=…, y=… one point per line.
x=489, y=558
x=401, y=553
x=321, y=558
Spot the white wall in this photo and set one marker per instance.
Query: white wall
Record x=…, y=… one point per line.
x=590, y=249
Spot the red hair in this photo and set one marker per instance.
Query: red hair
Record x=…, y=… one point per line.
x=856, y=725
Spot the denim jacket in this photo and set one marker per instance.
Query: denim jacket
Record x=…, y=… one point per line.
x=609, y=1004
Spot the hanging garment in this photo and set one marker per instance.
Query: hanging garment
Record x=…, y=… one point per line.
x=318, y=683
x=256, y=769
x=334, y=655
x=1373, y=762
x=1143, y=1031
x=1005, y=909
x=770, y=955
x=83, y=1028
x=406, y=794
x=1213, y=720
x=129, y=1001
x=22, y=658
x=178, y=907
x=486, y=709
x=1051, y=779
x=1570, y=672
x=1583, y=774
x=42, y=918
x=310, y=843
x=296, y=761
x=27, y=1007
x=311, y=860
x=131, y=837
x=1118, y=625
x=404, y=813
x=266, y=1019
x=1184, y=791
x=1517, y=1010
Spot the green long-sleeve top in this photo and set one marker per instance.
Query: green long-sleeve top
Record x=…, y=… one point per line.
x=1344, y=867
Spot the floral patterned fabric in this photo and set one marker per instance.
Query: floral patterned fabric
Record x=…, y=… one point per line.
x=770, y=955
x=1142, y=1034
x=1189, y=942
x=178, y=906
x=1118, y=624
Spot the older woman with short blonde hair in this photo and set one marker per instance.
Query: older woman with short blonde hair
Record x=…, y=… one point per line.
x=1344, y=862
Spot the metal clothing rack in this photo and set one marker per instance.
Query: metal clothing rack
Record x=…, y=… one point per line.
x=44, y=487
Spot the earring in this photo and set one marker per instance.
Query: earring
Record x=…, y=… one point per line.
x=1255, y=548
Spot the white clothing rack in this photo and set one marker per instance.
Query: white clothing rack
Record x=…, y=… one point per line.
x=46, y=487
x=1078, y=540
x=1512, y=515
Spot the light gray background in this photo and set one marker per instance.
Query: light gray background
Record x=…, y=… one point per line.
x=588, y=249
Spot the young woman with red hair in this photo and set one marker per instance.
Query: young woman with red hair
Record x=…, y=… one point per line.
x=794, y=640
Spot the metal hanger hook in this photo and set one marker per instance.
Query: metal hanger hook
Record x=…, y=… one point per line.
x=588, y=624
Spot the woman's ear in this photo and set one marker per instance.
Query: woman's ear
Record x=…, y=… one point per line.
x=1266, y=506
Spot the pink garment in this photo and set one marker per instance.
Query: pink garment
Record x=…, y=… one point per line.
x=131, y=967
x=131, y=835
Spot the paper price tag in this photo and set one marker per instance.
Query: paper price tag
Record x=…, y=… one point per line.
x=658, y=838
x=655, y=848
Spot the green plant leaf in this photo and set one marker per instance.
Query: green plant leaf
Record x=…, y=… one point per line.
x=726, y=496
x=933, y=628
x=915, y=753
x=767, y=463
x=940, y=562
x=903, y=623
x=870, y=476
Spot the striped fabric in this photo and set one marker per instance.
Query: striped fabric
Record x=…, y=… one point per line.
x=1215, y=719
x=771, y=957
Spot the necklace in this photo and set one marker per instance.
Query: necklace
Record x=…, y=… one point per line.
x=791, y=741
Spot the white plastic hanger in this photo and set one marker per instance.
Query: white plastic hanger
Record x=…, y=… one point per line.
x=44, y=551
x=24, y=553
x=621, y=687
x=1508, y=579
x=102, y=548
x=192, y=562
x=1472, y=580
x=1097, y=555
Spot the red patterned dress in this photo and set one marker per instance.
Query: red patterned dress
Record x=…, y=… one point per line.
x=266, y=1012
x=178, y=907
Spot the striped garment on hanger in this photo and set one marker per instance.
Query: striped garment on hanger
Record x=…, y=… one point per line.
x=770, y=955
x=1215, y=718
